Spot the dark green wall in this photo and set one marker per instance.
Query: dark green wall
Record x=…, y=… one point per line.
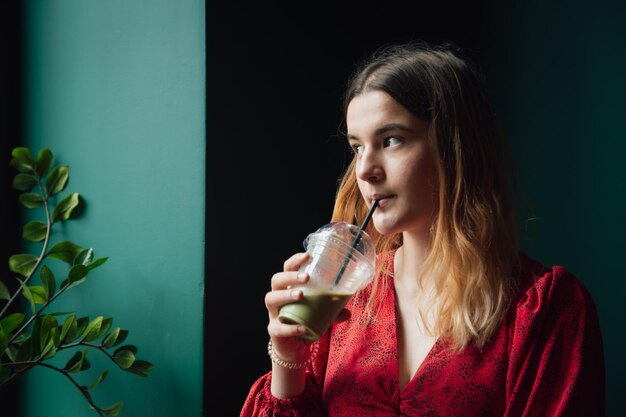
x=117, y=90
x=563, y=96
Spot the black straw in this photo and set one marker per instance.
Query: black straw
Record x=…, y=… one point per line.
x=356, y=241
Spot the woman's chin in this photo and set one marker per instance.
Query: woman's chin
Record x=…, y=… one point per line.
x=385, y=227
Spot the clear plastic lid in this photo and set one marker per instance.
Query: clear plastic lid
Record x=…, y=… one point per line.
x=349, y=235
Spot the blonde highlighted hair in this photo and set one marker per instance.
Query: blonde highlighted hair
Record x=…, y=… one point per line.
x=474, y=253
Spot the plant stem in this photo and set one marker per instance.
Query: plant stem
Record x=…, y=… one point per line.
x=17, y=373
x=36, y=315
x=91, y=345
x=64, y=372
x=43, y=249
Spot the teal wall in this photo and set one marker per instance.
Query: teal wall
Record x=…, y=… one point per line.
x=563, y=94
x=117, y=90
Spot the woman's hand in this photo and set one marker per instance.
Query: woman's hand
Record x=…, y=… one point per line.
x=286, y=339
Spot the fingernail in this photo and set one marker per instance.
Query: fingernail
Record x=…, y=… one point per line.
x=295, y=294
x=302, y=276
x=301, y=329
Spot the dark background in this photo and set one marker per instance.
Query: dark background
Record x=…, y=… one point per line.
x=11, y=136
x=275, y=76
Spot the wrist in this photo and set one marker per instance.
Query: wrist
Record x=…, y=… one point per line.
x=291, y=365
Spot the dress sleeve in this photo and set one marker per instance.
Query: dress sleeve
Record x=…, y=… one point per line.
x=262, y=403
x=556, y=366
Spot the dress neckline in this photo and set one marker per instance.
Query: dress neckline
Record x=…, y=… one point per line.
x=433, y=351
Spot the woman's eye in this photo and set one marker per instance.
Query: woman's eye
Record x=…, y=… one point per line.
x=391, y=141
x=356, y=148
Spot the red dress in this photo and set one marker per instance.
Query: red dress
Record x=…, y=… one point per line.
x=546, y=360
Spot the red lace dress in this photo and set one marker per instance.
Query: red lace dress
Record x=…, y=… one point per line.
x=546, y=360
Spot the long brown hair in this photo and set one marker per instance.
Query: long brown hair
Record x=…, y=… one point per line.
x=473, y=243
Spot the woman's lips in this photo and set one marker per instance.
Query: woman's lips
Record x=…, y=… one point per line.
x=383, y=201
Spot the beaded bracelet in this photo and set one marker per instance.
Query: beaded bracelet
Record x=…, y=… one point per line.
x=290, y=365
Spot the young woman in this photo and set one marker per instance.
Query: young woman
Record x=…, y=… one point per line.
x=458, y=321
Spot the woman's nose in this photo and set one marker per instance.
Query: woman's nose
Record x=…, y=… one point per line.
x=369, y=167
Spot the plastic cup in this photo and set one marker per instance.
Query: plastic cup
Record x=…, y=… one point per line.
x=342, y=260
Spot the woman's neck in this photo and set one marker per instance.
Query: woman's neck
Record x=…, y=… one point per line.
x=410, y=257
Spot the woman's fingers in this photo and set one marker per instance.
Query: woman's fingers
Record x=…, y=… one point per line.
x=273, y=301
x=282, y=280
x=284, y=291
x=277, y=298
x=277, y=329
x=295, y=262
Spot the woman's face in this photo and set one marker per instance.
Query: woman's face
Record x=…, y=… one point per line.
x=394, y=163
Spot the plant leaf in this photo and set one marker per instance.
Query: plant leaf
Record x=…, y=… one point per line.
x=75, y=364
x=35, y=231
x=47, y=279
x=82, y=324
x=57, y=179
x=30, y=200
x=48, y=331
x=113, y=410
x=64, y=251
x=69, y=329
x=23, y=159
x=84, y=257
x=92, y=330
x=49, y=350
x=64, y=209
x=19, y=339
x=141, y=368
x=101, y=378
x=75, y=277
x=36, y=335
x=11, y=322
x=116, y=337
x=27, y=294
x=97, y=263
x=24, y=182
x=25, y=351
x=77, y=272
x=61, y=313
x=12, y=351
x=4, y=342
x=44, y=160
x=121, y=336
x=23, y=263
x=4, y=292
x=124, y=357
x=39, y=294
x=132, y=348
x=106, y=325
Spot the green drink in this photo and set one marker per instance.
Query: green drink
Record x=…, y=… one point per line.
x=341, y=261
x=317, y=310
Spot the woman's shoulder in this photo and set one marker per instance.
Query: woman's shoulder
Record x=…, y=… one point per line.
x=541, y=288
x=555, y=358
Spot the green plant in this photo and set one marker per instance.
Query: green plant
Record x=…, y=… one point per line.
x=33, y=339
